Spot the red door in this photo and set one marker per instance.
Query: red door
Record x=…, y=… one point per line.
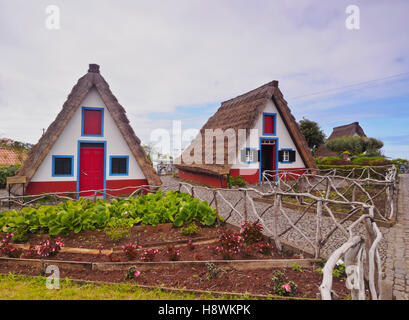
x=91, y=172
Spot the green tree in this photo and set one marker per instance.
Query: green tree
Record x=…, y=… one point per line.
x=356, y=145
x=312, y=133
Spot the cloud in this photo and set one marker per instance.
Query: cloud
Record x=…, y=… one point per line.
x=158, y=56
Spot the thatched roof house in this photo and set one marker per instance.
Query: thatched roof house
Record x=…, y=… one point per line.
x=279, y=144
x=92, y=125
x=347, y=130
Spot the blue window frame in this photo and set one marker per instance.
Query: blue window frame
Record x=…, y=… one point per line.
x=62, y=166
x=274, y=115
x=82, y=122
x=119, y=165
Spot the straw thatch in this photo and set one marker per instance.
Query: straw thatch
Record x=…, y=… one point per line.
x=92, y=79
x=348, y=130
x=243, y=112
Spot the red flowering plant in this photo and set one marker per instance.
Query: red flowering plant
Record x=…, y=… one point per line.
x=131, y=250
x=50, y=247
x=251, y=232
x=230, y=243
x=281, y=286
x=7, y=249
x=149, y=254
x=172, y=253
x=132, y=273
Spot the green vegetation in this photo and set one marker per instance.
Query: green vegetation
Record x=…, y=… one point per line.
x=15, y=287
x=190, y=230
x=74, y=216
x=356, y=145
x=7, y=171
x=118, y=229
x=312, y=133
x=296, y=267
x=236, y=181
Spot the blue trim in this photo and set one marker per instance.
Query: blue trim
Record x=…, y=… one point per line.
x=62, y=175
x=289, y=149
x=119, y=174
x=82, y=122
x=78, y=161
x=248, y=162
x=275, y=123
x=261, y=156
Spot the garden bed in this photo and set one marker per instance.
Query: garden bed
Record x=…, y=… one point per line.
x=195, y=277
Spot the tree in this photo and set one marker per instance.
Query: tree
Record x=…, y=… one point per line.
x=312, y=133
x=356, y=145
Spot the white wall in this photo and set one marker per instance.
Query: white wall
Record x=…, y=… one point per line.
x=284, y=141
x=67, y=144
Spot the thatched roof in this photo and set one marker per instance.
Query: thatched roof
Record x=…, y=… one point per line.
x=243, y=112
x=347, y=130
x=92, y=79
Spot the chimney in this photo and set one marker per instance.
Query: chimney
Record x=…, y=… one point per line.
x=275, y=83
x=93, y=68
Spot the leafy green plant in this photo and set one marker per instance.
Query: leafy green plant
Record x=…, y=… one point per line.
x=118, y=229
x=75, y=216
x=296, y=267
x=7, y=171
x=236, y=181
x=190, y=230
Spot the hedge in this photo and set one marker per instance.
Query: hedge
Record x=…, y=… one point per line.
x=7, y=171
x=346, y=169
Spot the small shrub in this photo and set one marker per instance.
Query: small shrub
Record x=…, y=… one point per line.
x=251, y=232
x=296, y=267
x=212, y=271
x=132, y=273
x=31, y=253
x=50, y=248
x=236, y=181
x=149, y=254
x=230, y=243
x=172, y=253
x=118, y=229
x=281, y=286
x=8, y=249
x=190, y=230
x=131, y=250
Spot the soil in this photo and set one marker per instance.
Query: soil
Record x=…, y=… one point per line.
x=147, y=236
x=256, y=281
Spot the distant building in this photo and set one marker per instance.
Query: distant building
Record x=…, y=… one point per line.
x=348, y=130
x=11, y=157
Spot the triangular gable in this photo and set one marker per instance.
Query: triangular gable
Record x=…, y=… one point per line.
x=92, y=79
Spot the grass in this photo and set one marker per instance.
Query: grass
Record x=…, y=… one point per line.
x=16, y=287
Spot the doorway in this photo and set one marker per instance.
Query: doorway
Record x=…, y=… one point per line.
x=268, y=155
x=91, y=170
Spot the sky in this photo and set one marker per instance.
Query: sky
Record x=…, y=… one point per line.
x=178, y=60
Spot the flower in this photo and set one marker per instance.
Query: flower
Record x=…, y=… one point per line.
x=286, y=287
x=136, y=273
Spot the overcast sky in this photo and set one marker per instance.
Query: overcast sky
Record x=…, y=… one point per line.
x=178, y=60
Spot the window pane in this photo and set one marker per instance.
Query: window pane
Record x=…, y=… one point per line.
x=268, y=124
x=62, y=166
x=118, y=166
x=92, y=122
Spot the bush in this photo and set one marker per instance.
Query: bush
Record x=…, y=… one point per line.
x=7, y=171
x=118, y=229
x=281, y=286
x=236, y=181
x=190, y=230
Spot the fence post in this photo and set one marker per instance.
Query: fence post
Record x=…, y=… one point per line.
x=245, y=205
x=276, y=209
x=95, y=196
x=217, y=207
x=302, y=189
x=179, y=186
x=193, y=192
x=318, y=235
